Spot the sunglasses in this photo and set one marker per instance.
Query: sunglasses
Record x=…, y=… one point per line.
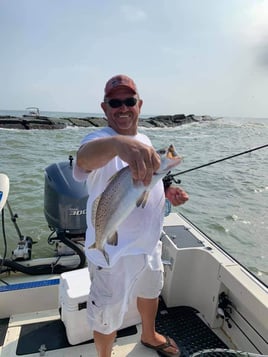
x=117, y=103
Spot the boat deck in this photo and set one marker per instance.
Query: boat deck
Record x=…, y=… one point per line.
x=197, y=272
x=43, y=334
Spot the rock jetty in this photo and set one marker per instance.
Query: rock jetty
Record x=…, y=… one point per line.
x=28, y=122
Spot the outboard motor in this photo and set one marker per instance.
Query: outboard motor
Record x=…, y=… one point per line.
x=65, y=199
x=65, y=203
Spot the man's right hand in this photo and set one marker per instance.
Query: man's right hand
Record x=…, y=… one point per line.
x=142, y=159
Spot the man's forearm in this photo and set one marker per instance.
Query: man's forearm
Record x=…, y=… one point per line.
x=96, y=154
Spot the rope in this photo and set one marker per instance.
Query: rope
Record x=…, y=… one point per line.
x=222, y=350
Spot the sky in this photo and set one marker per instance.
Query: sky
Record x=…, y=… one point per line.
x=202, y=57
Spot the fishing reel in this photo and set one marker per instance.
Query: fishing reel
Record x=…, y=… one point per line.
x=168, y=179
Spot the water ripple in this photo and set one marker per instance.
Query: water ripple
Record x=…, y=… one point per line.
x=228, y=200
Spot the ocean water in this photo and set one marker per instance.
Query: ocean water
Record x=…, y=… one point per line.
x=228, y=200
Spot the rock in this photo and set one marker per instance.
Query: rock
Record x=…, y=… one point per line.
x=97, y=121
x=41, y=122
x=163, y=121
x=28, y=123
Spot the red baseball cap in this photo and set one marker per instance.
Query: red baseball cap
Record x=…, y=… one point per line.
x=120, y=80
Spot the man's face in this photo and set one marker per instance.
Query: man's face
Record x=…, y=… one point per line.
x=124, y=119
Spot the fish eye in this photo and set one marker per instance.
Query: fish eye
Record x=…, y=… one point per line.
x=161, y=151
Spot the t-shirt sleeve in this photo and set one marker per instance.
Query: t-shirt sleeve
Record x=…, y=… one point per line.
x=79, y=174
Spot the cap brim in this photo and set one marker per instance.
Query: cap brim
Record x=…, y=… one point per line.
x=112, y=90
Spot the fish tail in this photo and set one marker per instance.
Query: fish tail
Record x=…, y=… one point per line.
x=105, y=254
x=171, y=152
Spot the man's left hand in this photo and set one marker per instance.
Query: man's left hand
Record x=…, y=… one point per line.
x=176, y=195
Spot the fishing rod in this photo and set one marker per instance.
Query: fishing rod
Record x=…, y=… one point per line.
x=170, y=177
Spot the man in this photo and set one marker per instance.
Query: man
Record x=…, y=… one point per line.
x=137, y=257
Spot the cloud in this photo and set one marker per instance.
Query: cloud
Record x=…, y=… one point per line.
x=133, y=14
x=257, y=31
x=259, y=22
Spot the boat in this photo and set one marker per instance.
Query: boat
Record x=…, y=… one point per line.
x=211, y=305
x=31, y=120
x=32, y=112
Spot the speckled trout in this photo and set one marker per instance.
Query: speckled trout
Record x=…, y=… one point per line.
x=121, y=196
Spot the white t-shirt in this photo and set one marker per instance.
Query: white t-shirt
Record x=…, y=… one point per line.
x=140, y=232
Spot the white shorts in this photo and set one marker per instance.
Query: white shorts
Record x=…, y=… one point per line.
x=114, y=289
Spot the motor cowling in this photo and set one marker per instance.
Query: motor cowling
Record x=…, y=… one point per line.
x=65, y=199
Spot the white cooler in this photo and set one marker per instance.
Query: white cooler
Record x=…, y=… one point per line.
x=73, y=295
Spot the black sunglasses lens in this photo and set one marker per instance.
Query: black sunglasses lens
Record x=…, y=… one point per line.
x=115, y=103
x=129, y=102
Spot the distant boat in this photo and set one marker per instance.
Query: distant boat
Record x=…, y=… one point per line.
x=32, y=112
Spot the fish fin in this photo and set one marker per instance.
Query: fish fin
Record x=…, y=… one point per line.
x=142, y=200
x=106, y=256
x=145, y=199
x=112, y=177
x=93, y=246
x=94, y=210
x=113, y=240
